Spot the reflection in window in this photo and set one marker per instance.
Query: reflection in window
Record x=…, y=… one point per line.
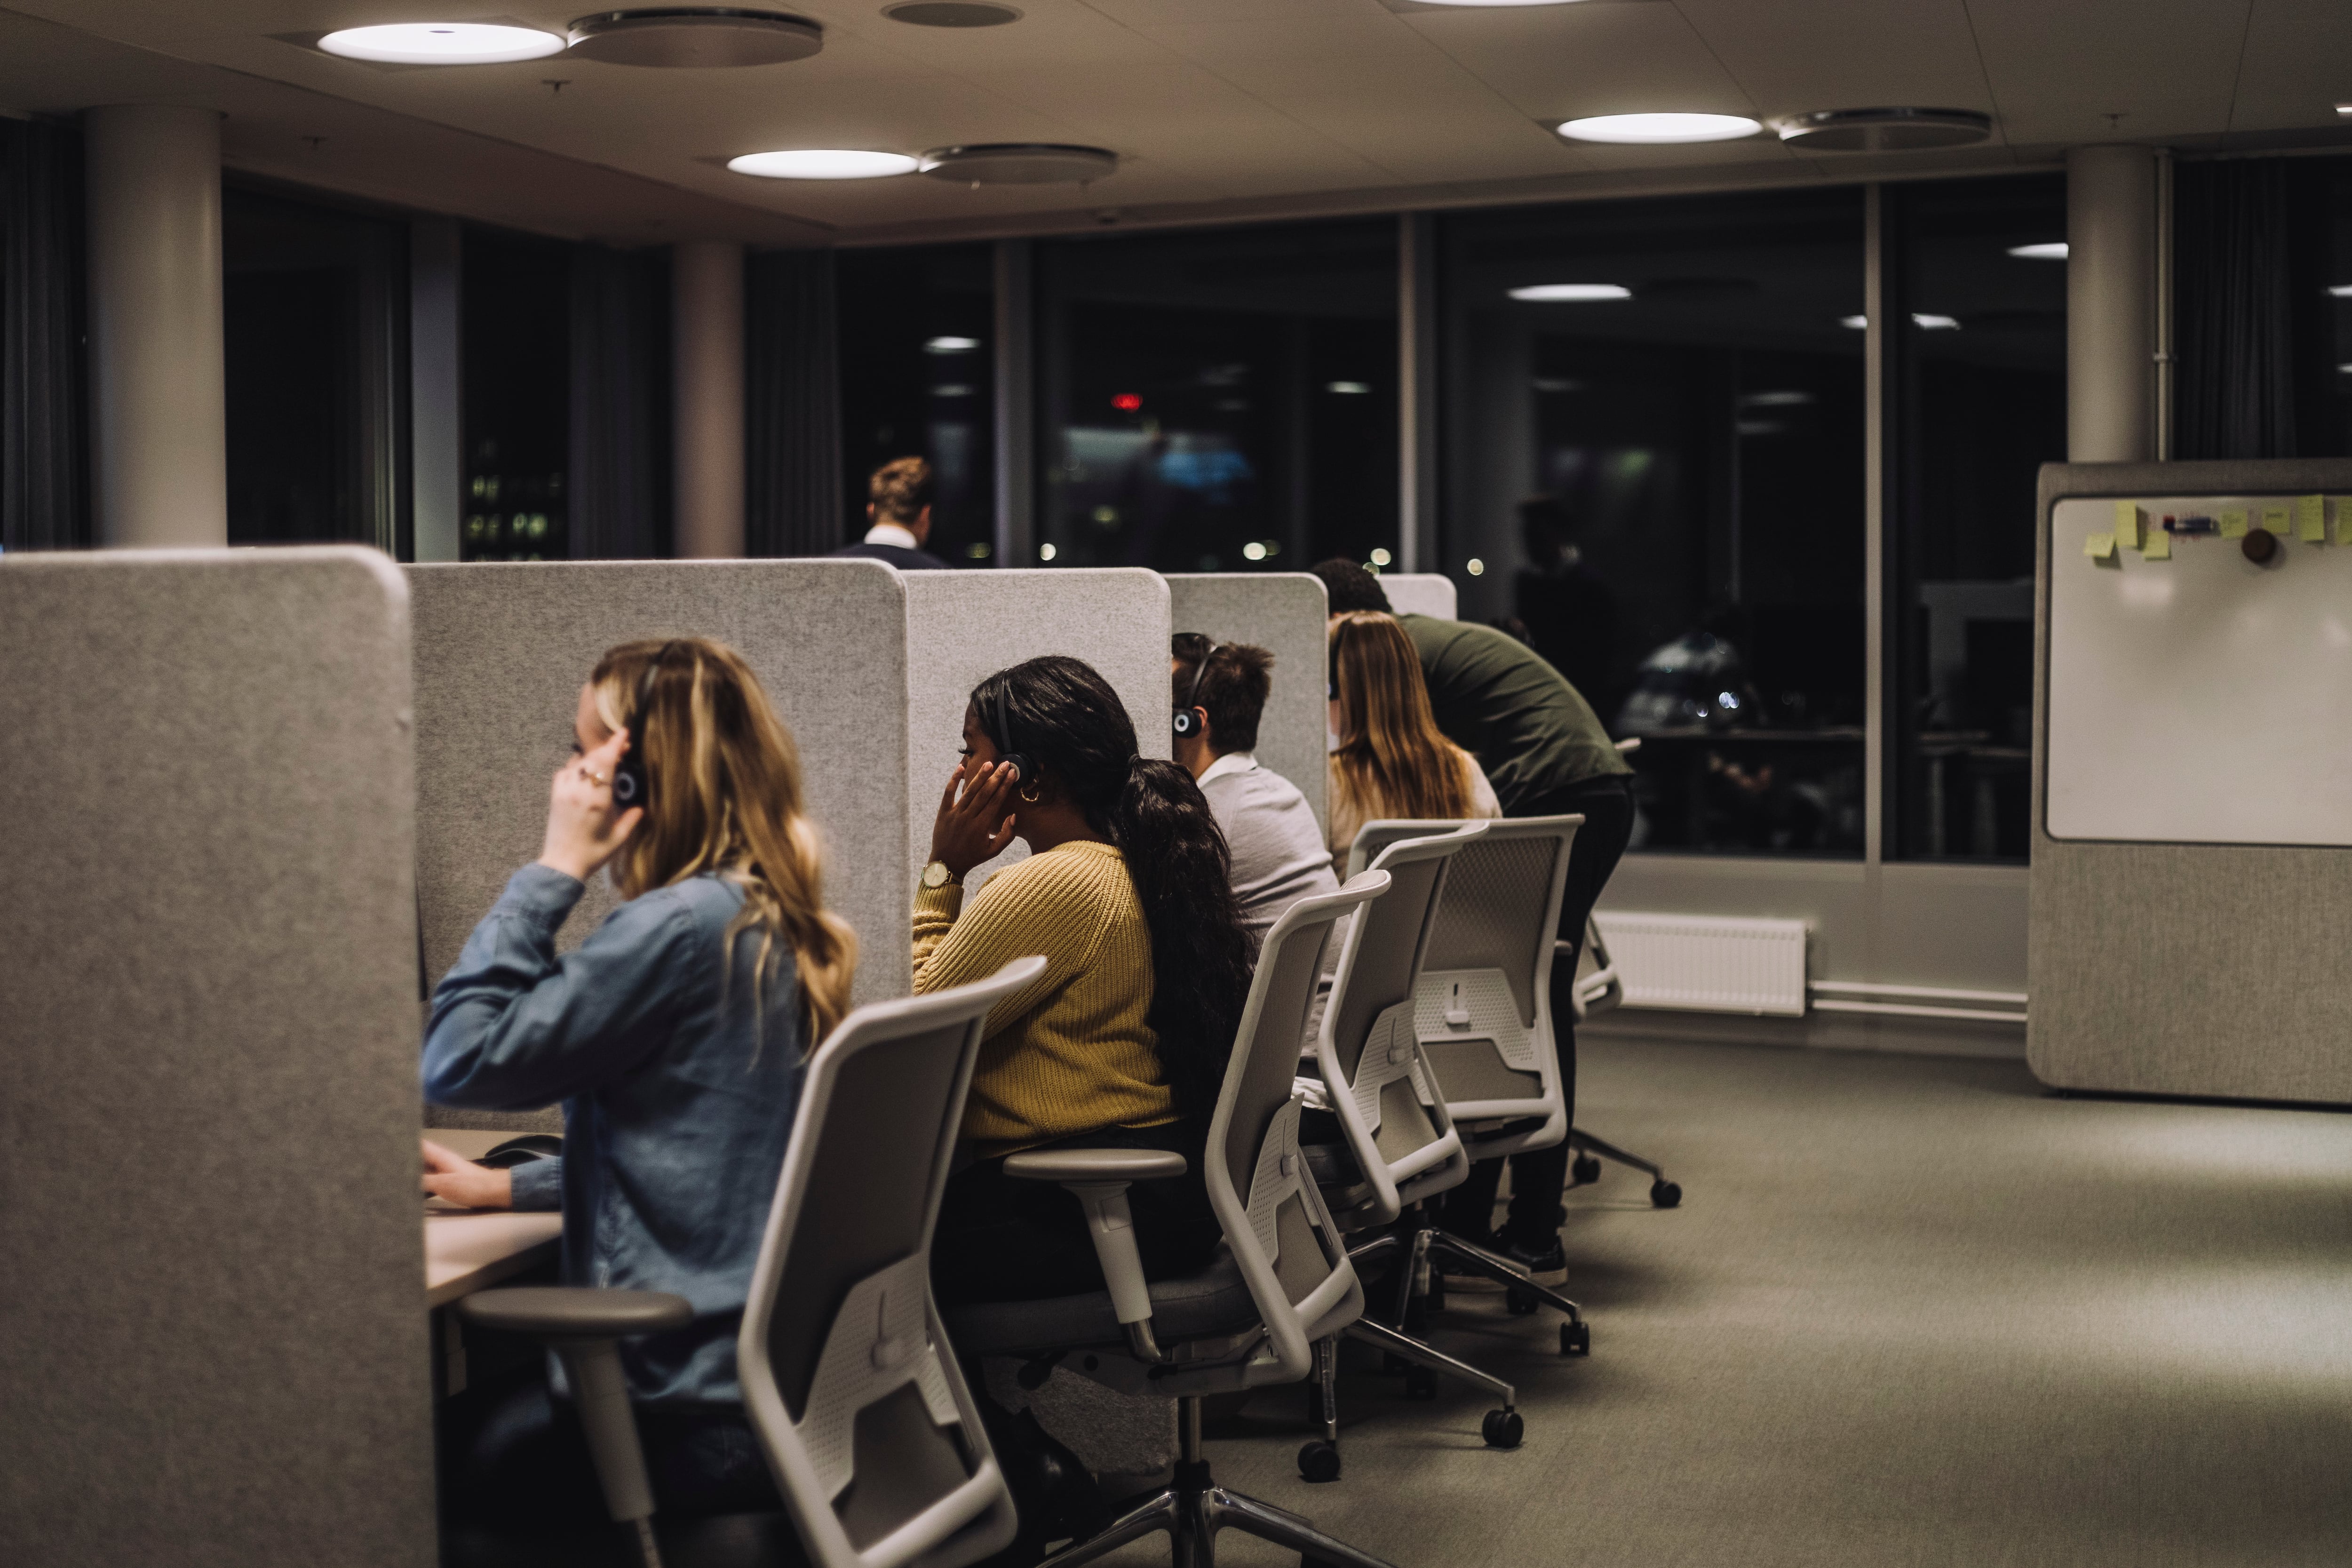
x=1219, y=402
x=1979, y=361
x=2319, y=196
x=517, y=344
x=918, y=378
x=1654, y=472
x=312, y=309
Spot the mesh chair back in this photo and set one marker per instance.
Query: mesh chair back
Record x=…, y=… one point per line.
x=1289, y=1250
x=1381, y=1087
x=1483, y=1008
x=847, y=1376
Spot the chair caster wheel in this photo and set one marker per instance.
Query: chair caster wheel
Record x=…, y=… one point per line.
x=1502, y=1428
x=1576, y=1339
x=1584, y=1170
x=1664, y=1195
x=1420, y=1383
x=1318, y=1461
x=1518, y=1300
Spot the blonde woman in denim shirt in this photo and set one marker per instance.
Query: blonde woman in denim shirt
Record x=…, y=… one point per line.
x=674, y=1036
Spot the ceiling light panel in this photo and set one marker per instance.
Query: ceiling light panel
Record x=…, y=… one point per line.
x=1571, y=293
x=2041, y=250
x=823, y=164
x=442, y=44
x=1660, y=129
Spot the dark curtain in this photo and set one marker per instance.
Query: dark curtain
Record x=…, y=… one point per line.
x=43, y=444
x=2234, y=311
x=619, y=456
x=792, y=406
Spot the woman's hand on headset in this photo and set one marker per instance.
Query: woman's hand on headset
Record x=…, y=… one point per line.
x=582, y=830
x=975, y=819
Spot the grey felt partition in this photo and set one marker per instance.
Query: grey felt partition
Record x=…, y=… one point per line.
x=2181, y=968
x=962, y=627
x=502, y=651
x=1428, y=593
x=1282, y=612
x=213, y=1338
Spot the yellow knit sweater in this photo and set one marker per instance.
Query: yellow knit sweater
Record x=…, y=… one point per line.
x=1070, y=1052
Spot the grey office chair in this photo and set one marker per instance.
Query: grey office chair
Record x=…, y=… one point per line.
x=1281, y=1282
x=1398, y=1146
x=1483, y=1013
x=867, y=1428
x=1597, y=990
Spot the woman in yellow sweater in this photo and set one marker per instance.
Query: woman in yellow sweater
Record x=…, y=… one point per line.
x=1126, y=881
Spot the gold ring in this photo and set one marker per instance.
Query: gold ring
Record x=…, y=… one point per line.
x=594, y=777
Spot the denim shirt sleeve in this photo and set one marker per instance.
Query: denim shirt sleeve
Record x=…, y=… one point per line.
x=537, y=1186
x=514, y=1026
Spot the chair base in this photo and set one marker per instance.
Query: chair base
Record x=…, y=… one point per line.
x=1193, y=1508
x=1591, y=1151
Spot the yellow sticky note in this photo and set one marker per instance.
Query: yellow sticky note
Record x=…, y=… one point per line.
x=2311, y=518
x=2343, y=505
x=2100, y=547
x=2128, y=524
x=2233, y=525
x=2159, y=545
x=2274, y=518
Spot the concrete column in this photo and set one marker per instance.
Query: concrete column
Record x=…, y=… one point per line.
x=435, y=386
x=706, y=397
x=159, y=422
x=2111, y=253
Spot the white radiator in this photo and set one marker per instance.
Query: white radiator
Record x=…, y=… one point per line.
x=1705, y=964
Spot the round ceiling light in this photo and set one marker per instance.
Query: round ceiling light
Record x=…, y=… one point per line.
x=697, y=36
x=1652, y=130
x=1883, y=129
x=2043, y=250
x=823, y=164
x=1565, y=293
x=1019, y=163
x=951, y=14
x=442, y=44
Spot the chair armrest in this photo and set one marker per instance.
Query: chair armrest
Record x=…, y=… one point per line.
x=575, y=1312
x=1099, y=1179
x=1066, y=1166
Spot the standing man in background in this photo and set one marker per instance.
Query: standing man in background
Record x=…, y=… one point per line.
x=900, y=516
x=1546, y=753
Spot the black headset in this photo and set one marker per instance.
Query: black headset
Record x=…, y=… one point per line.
x=991, y=719
x=1188, y=717
x=632, y=785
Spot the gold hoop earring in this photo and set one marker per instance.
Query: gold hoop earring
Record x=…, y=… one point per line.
x=1030, y=795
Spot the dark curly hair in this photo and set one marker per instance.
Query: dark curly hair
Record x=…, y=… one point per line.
x=1065, y=716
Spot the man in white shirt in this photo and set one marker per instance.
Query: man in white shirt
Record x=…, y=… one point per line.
x=900, y=515
x=1279, y=853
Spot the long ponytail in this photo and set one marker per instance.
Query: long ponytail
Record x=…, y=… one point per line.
x=1063, y=713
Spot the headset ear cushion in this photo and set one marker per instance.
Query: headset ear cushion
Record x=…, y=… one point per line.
x=1184, y=721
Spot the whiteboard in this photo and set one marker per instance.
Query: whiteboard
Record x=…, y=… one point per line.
x=2201, y=700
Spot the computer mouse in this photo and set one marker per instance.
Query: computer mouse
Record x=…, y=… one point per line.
x=522, y=1151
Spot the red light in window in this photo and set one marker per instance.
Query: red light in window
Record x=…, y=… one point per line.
x=1127, y=402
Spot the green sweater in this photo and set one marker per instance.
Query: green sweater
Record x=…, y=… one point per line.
x=1496, y=699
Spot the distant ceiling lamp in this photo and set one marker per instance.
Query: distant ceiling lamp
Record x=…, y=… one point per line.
x=950, y=345
x=1883, y=129
x=1654, y=129
x=442, y=44
x=695, y=36
x=1571, y=293
x=951, y=14
x=2043, y=250
x=2340, y=290
x=1019, y=163
x=823, y=164
x=1927, y=321
x=2343, y=109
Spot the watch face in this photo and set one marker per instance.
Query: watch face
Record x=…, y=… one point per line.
x=935, y=875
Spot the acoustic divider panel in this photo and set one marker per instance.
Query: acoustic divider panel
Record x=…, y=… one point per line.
x=213, y=1344
x=2161, y=965
x=1430, y=593
x=502, y=651
x=962, y=627
x=1282, y=612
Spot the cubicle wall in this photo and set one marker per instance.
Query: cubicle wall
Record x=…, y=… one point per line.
x=502, y=651
x=1282, y=612
x=962, y=627
x=1420, y=593
x=212, y=1338
x=2161, y=965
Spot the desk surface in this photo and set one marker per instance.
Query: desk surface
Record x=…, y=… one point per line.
x=467, y=1250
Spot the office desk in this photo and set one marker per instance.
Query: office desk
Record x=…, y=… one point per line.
x=467, y=1250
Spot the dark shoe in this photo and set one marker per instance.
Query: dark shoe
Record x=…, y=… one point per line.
x=1546, y=1266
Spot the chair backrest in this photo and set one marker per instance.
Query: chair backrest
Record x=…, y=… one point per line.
x=1483, y=1009
x=1290, y=1252
x=1380, y=1086
x=847, y=1376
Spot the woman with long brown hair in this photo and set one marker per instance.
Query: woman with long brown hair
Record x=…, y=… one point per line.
x=674, y=1036
x=1387, y=759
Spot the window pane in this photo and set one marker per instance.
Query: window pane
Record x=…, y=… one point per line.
x=918, y=377
x=517, y=347
x=1682, y=380
x=2320, y=189
x=313, y=302
x=1219, y=402
x=1979, y=379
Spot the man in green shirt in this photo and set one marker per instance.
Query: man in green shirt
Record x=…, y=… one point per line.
x=1546, y=753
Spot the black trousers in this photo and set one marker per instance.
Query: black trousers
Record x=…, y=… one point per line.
x=1001, y=1238
x=1538, y=1179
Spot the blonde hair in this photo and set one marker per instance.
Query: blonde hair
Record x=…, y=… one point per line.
x=1391, y=756
x=901, y=490
x=725, y=783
